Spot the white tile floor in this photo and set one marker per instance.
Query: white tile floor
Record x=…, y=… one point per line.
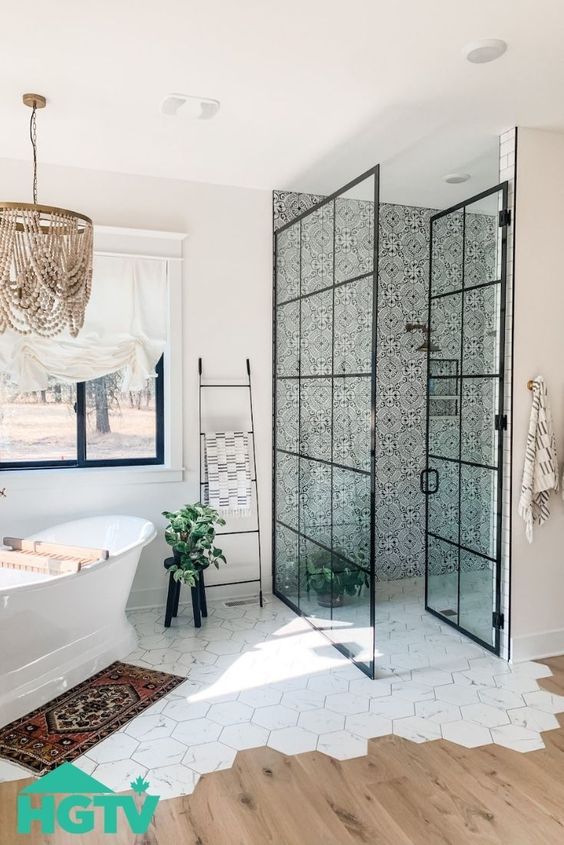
x=264, y=677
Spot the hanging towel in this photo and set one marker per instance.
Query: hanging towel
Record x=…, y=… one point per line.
x=540, y=473
x=228, y=473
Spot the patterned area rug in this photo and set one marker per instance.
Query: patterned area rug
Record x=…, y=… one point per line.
x=68, y=726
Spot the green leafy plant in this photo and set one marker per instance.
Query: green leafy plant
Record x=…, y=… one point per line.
x=191, y=533
x=332, y=577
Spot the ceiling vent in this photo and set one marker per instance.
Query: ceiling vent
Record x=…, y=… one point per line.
x=456, y=178
x=190, y=107
x=484, y=51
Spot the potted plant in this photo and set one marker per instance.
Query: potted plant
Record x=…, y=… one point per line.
x=191, y=533
x=332, y=578
x=319, y=578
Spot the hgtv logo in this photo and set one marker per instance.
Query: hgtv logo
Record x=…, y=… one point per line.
x=82, y=801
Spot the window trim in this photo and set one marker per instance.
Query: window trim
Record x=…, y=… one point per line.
x=82, y=462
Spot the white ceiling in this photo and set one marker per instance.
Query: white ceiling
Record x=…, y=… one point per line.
x=415, y=176
x=312, y=92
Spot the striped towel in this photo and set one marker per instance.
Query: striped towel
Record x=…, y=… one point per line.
x=540, y=473
x=228, y=473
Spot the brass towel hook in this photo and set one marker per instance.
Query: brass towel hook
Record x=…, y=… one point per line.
x=530, y=384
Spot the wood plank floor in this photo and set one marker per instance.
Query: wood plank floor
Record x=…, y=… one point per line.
x=436, y=793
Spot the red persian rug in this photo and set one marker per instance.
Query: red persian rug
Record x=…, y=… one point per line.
x=68, y=726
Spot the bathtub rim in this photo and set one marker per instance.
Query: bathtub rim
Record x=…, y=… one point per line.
x=92, y=568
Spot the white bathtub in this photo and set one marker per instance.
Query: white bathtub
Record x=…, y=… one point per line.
x=56, y=631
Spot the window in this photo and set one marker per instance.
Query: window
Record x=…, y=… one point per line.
x=92, y=423
x=60, y=403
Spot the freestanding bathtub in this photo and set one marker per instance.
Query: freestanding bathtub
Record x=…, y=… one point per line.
x=56, y=631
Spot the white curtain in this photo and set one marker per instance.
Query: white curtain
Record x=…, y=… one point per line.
x=125, y=328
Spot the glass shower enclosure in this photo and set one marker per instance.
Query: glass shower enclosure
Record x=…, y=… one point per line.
x=332, y=515
x=325, y=305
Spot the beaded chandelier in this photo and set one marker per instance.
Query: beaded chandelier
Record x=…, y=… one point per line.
x=45, y=260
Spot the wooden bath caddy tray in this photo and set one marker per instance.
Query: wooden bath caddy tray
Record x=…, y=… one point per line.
x=47, y=558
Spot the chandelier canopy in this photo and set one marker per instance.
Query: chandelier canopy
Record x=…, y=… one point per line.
x=45, y=260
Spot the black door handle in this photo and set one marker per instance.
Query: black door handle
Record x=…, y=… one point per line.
x=424, y=481
x=422, y=477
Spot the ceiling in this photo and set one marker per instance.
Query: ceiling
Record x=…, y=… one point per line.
x=312, y=93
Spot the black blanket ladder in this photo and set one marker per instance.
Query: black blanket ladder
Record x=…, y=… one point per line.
x=254, y=480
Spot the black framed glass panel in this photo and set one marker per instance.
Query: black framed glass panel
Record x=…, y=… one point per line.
x=324, y=392
x=463, y=476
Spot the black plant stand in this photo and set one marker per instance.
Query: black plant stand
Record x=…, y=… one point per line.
x=199, y=604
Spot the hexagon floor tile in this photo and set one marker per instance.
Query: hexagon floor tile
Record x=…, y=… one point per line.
x=241, y=737
x=258, y=677
x=468, y=734
x=209, y=757
x=343, y=745
x=293, y=740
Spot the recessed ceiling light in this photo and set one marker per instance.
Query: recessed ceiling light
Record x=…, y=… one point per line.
x=456, y=178
x=486, y=50
x=188, y=106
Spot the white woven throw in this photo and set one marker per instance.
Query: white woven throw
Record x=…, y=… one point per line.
x=540, y=472
x=228, y=473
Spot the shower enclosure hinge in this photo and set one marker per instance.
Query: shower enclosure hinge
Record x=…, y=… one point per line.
x=505, y=217
x=501, y=422
x=498, y=620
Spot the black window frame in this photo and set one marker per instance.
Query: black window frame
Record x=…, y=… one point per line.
x=82, y=462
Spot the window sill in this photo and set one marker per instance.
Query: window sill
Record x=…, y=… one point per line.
x=93, y=476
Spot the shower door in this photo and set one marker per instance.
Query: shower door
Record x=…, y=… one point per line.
x=324, y=419
x=463, y=480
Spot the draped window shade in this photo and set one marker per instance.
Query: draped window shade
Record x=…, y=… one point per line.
x=125, y=327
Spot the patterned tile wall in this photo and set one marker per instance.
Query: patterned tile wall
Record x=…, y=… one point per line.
x=288, y=204
x=401, y=374
x=401, y=370
x=401, y=367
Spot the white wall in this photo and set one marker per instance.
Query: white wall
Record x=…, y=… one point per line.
x=537, y=606
x=227, y=282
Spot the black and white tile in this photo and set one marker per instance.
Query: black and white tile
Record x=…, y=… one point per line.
x=287, y=205
x=332, y=331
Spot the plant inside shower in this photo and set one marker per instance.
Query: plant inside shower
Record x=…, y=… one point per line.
x=191, y=533
x=332, y=578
